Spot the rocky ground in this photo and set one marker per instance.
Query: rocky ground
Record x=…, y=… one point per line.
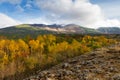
x=101, y=64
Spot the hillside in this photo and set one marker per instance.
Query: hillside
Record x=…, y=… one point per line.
x=22, y=31
x=35, y=29
x=101, y=64
x=109, y=30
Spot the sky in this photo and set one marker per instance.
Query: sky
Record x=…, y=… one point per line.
x=88, y=13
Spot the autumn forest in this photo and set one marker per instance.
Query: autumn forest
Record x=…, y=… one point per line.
x=21, y=55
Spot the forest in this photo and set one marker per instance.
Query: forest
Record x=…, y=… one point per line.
x=25, y=54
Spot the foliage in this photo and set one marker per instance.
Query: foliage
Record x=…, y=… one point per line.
x=20, y=55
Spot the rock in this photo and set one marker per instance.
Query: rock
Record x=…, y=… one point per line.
x=77, y=67
x=73, y=61
x=45, y=72
x=112, y=69
x=68, y=72
x=96, y=79
x=65, y=65
x=93, y=54
x=34, y=78
x=49, y=79
x=51, y=75
x=96, y=71
x=116, y=77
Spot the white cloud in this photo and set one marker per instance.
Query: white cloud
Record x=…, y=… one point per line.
x=29, y=4
x=107, y=23
x=113, y=22
x=19, y=8
x=80, y=12
x=6, y=21
x=11, y=1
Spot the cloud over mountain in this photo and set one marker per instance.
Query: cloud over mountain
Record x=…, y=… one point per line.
x=6, y=21
x=81, y=12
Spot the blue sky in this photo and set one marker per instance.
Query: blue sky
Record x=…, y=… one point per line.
x=89, y=13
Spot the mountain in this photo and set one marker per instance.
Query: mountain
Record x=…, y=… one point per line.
x=109, y=30
x=35, y=29
x=70, y=28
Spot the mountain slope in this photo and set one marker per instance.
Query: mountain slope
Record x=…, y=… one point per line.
x=15, y=32
x=70, y=28
x=109, y=30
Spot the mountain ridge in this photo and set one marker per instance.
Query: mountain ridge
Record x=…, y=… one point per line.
x=37, y=29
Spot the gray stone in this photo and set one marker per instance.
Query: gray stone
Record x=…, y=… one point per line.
x=65, y=65
x=116, y=77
